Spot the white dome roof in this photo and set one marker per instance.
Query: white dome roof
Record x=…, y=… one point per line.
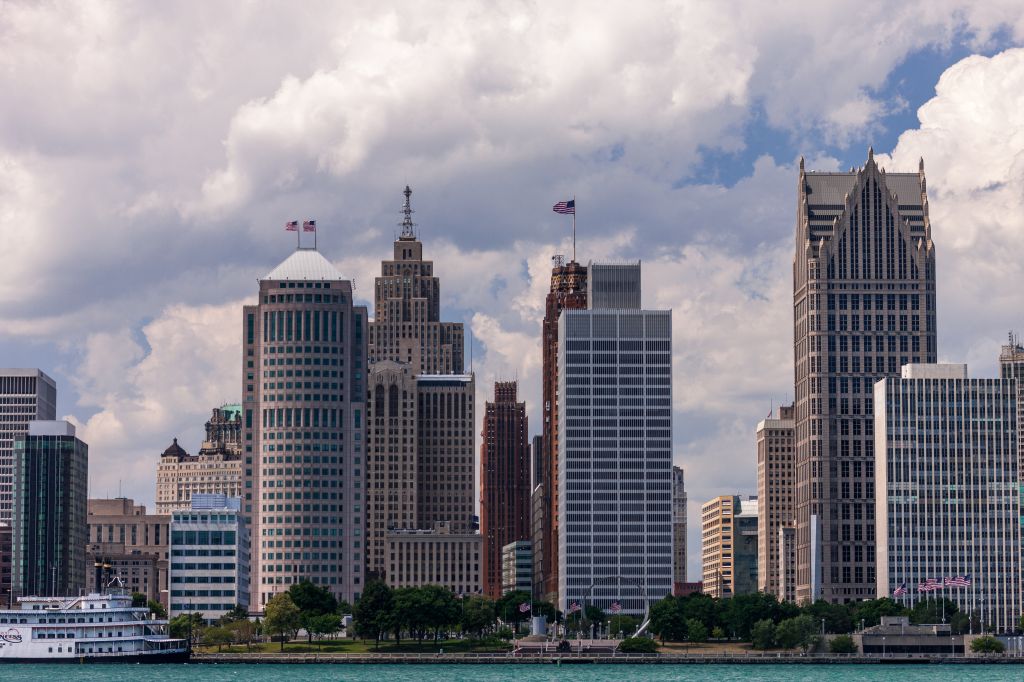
x=305, y=264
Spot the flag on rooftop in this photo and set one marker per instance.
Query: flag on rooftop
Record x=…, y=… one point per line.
x=567, y=207
x=309, y=226
x=292, y=226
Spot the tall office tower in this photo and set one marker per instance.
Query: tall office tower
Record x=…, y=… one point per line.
x=568, y=292
x=446, y=451
x=391, y=459
x=126, y=542
x=1011, y=366
x=49, y=527
x=729, y=546
x=774, y=493
x=216, y=469
x=407, y=310
x=304, y=394
x=947, y=494
x=25, y=395
x=504, y=481
x=786, y=567
x=678, y=526
x=614, y=451
x=863, y=306
x=536, y=462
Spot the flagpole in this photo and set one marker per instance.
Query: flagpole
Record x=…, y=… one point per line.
x=298, y=236
x=574, y=227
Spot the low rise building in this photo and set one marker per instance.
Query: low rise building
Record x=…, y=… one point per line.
x=895, y=636
x=131, y=543
x=435, y=557
x=517, y=567
x=209, y=557
x=139, y=571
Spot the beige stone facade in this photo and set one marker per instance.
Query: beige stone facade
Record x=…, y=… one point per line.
x=435, y=557
x=133, y=543
x=775, y=490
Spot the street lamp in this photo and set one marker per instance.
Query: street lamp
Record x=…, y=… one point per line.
x=883, y=646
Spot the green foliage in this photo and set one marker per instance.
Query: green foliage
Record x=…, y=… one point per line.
x=504, y=633
x=344, y=608
x=696, y=631
x=138, y=600
x=929, y=611
x=871, y=611
x=762, y=635
x=742, y=611
x=242, y=631
x=987, y=644
x=156, y=608
x=795, y=632
x=187, y=625
x=373, y=611
x=842, y=644
x=667, y=620
x=962, y=623
x=622, y=626
x=638, y=645
x=238, y=612
x=838, y=618
x=281, y=617
x=546, y=609
x=312, y=599
x=477, y=615
x=507, y=607
x=217, y=636
x=717, y=632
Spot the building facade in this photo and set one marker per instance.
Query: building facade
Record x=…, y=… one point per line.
x=209, y=557
x=504, y=481
x=948, y=489
x=517, y=567
x=128, y=543
x=786, y=590
x=48, y=526
x=568, y=292
x=729, y=546
x=26, y=395
x=1011, y=366
x=435, y=556
x=216, y=469
x=303, y=412
x=678, y=525
x=614, y=455
x=775, y=490
x=863, y=306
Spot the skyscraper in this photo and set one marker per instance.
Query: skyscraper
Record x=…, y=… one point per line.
x=614, y=452
x=504, y=481
x=863, y=306
x=948, y=494
x=678, y=526
x=775, y=488
x=420, y=447
x=568, y=292
x=49, y=526
x=1011, y=366
x=304, y=392
x=25, y=395
x=729, y=546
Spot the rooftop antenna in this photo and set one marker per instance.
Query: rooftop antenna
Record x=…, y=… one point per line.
x=470, y=349
x=407, y=223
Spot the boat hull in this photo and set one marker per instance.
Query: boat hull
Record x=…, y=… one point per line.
x=168, y=657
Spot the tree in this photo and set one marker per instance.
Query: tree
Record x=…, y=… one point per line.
x=837, y=617
x=842, y=644
x=507, y=607
x=929, y=611
x=695, y=631
x=138, y=600
x=702, y=607
x=594, y=615
x=667, y=620
x=242, y=632
x=742, y=611
x=717, y=632
x=622, y=626
x=442, y=610
x=409, y=612
x=344, y=608
x=156, y=608
x=987, y=644
x=237, y=612
x=217, y=635
x=281, y=616
x=963, y=623
x=374, y=611
x=870, y=611
x=546, y=609
x=794, y=632
x=638, y=645
x=323, y=625
x=762, y=635
x=187, y=626
x=477, y=615
x=312, y=599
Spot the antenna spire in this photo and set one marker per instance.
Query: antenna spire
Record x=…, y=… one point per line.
x=407, y=223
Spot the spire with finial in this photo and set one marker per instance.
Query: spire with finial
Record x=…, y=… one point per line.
x=801, y=162
x=407, y=223
x=871, y=153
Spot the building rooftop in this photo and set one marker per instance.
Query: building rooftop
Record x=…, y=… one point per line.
x=305, y=264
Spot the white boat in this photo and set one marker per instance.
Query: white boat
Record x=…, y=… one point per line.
x=93, y=628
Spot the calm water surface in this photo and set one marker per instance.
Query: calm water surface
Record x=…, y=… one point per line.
x=499, y=673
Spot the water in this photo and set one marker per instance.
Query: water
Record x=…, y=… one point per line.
x=501, y=673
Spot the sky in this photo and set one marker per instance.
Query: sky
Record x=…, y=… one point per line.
x=150, y=154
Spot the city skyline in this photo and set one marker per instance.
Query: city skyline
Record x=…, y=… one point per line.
x=132, y=279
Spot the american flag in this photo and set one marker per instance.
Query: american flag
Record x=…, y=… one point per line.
x=615, y=607
x=568, y=207
x=309, y=226
x=930, y=585
x=524, y=607
x=292, y=226
x=574, y=607
x=959, y=581
x=900, y=591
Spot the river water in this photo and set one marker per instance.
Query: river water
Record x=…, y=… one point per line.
x=501, y=673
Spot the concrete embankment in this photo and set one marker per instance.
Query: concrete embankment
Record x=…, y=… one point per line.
x=584, y=659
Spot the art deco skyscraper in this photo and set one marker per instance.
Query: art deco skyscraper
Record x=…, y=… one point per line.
x=504, y=481
x=568, y=292
x=775, y=490
x=863, y=306
x=304, y=391
x=678, y=526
